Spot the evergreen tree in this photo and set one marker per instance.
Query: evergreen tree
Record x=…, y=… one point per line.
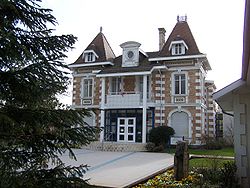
x=35, y=129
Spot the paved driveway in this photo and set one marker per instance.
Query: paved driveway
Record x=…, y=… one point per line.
x=120, y=169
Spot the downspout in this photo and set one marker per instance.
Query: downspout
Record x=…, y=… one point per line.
x=161, y=98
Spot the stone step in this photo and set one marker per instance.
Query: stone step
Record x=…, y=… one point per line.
x=115, y=146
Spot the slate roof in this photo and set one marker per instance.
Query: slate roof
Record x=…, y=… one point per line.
x=181, y=31
x=144, y=65
x=101, y=47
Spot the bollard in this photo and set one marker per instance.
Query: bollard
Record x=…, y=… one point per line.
x=181, y=160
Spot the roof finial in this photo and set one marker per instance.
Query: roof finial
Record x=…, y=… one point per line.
x=101, y=29
x=182, y=18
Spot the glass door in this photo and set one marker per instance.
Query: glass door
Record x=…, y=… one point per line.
x=126, y=130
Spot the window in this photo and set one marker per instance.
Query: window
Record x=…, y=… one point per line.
x=90, y=57
x=115, y=86
x=87, y=88
x=178, y=49
x=141, y=86
x=179, y=84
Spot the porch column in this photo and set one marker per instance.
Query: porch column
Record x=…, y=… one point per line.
x=102, y=109
x=144, y=109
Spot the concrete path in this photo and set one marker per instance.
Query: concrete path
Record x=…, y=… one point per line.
x=120, y=169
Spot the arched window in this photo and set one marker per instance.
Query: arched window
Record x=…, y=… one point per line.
x=180, y=123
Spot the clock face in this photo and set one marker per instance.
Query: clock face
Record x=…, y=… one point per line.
x=130, y=54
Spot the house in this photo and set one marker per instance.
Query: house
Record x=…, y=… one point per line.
x=224, y=127
x=136, y=91
x=236, y=98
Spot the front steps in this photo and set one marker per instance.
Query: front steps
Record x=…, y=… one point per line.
x=115, y=146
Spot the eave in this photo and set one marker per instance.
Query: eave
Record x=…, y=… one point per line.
x=91, y=64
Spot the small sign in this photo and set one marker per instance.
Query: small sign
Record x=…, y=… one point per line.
x=174, y=140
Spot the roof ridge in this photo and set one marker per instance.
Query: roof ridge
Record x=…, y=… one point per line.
x=107, y=47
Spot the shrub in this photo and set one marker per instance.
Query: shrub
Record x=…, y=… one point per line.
x=150, y=146
x=160, y=136
x=228, y=175
x=212, y=143
x=218, y=177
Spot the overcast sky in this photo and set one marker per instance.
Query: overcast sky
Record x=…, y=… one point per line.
x=217, y=26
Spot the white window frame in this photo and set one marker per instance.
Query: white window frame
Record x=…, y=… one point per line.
x=115, y=88
x=178, y=47
x=90, y=56
x=88, y=96
x=180, y=84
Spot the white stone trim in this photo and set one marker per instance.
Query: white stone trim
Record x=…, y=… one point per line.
x=197, y=121
x=197, y=128
x=159, y=121
x=159, y=82
x=159, y=95
x=160, y=115
x=197, y=94
x=198, y=135
x=159, y=88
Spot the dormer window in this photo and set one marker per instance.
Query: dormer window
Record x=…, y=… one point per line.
x=90, y=56
x=178, y=47
x=130, y=55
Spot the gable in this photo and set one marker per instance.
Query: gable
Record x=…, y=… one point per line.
x=181, y=32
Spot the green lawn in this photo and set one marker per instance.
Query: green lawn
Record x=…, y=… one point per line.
x=222, y=152
x=205, y=162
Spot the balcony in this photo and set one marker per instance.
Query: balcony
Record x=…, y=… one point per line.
x=123, y=100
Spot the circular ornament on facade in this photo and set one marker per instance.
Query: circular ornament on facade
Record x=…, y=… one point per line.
x=130, y=54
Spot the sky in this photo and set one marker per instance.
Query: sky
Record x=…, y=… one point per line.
x=217, y=26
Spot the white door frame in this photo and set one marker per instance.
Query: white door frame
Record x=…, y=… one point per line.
x=126, y=128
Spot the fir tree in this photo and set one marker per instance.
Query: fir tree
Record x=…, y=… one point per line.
x=35, y=129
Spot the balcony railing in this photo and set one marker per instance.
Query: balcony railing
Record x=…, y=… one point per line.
x=123, y=99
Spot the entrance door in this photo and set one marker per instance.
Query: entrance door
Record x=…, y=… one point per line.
x=126, y=130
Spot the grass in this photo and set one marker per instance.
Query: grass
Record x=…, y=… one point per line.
x=205, y=162
x=221, y=152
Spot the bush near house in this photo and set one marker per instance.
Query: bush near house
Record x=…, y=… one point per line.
x=159, y=136
x=212, y=143
x=197, y=178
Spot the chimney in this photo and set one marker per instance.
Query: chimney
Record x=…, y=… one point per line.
x=162, y=32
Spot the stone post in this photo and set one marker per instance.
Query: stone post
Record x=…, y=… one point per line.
x=181, y=160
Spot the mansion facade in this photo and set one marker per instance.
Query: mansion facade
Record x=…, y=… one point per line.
x=130, y=94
